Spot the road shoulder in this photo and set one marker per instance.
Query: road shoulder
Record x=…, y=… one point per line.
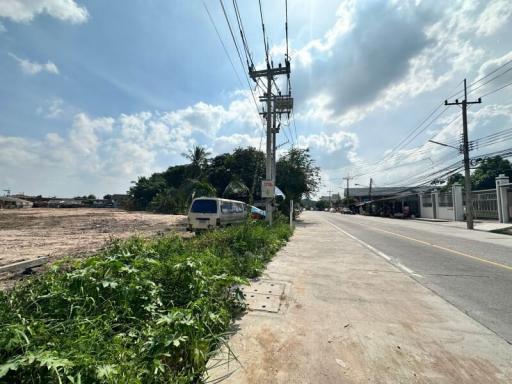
x=347, y=315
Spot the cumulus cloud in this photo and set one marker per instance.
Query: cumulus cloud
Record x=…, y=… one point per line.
x=493, y=17
x=26, y=10
x=369, y=47
x=493, y=64
x=32, y=68
x=53, y=109
x=103, y=154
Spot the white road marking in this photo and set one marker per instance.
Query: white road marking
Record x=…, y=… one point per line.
x=376, y=251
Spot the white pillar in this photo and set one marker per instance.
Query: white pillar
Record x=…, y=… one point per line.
x=458, y=202
x=435, y=204
x=502, y=198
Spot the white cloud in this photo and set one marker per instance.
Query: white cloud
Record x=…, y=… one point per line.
x=32, y=68
x=493, y=17
x=26, y=10
x=329, y=143
x=84, y=134
x=103, y=154
x=492, y=64
x=2, y=28
x=53, y=109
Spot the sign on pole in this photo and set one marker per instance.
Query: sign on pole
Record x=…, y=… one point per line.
x=267, y=188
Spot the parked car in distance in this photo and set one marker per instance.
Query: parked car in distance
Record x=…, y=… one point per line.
x=213, y=212
x=346, y=211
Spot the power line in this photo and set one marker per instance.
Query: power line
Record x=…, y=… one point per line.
x=496, y=90
x=373, y=168
x=239, y=55
x=265, y=42
x=492, y=79
x=231, y=32
x=490, y=73
x=242, y=34
x=294, y=126
x=223, y=45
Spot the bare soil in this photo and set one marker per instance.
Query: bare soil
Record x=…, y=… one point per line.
x=31, y=233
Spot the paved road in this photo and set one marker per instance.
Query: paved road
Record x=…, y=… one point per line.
x=470, y=269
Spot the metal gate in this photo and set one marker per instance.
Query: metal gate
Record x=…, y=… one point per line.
x=485, y=204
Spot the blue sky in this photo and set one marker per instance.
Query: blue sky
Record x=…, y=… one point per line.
x=97, y=93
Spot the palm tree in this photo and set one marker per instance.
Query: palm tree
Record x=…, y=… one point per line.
x=198, y=157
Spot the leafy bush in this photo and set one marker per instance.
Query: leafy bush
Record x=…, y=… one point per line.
x=142, y=311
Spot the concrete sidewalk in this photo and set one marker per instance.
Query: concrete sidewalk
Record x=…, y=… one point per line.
x=348, y=316
x=479, y=225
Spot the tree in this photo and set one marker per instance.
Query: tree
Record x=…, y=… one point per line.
x=219, y=174
x=165, y=202
x=321, y=205
x=457, y=178
x=145, y=189
x=237, y=190
x=297, y=176
x=244, y=165
x=176, y=175
x=198, y=157
x=485, y=175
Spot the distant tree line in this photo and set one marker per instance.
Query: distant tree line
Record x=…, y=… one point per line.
x=484, y=176
x=235, y=175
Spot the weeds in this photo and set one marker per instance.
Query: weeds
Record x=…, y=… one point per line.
x=142, y=311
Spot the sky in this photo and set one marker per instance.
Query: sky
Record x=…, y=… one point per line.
x=95, y=94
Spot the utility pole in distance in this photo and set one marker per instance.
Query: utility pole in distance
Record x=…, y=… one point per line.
x=465, y=150
x=348, y=178
x=370, y=197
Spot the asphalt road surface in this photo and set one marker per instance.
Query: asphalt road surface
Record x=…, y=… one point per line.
x=470, y=269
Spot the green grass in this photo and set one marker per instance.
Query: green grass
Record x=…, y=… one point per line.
x=142, y=311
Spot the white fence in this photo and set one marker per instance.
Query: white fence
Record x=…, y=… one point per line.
x=493, y=204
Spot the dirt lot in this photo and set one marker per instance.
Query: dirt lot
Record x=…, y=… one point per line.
x=30, y=233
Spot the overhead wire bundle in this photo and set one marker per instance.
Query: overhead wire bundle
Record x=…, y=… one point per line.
x=398, y=152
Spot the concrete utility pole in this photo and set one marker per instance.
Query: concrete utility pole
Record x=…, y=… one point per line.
x=370, y=197
x=275, y=104
x=330, y=201
x=275, y=131
x=291, y=213
x=348, y=178
x=465, y=150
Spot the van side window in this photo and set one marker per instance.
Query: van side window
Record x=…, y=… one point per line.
x=226, y=207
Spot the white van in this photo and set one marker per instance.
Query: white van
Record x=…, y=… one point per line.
x=213, y=212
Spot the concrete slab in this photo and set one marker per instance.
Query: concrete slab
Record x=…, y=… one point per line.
x=348, y=316
x=264, y=295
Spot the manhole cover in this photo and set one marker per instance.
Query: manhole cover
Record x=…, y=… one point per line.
x=264, y=295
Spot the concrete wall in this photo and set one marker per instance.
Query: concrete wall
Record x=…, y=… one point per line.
x=426, y=212
x=455, y=212
x=445, y=213
x=502, y=196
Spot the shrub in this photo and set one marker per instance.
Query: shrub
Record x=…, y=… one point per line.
x=142, y=311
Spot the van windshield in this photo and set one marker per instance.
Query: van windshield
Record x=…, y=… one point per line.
x=204, y=206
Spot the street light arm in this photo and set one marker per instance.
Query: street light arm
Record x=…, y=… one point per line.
x=443, y=144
